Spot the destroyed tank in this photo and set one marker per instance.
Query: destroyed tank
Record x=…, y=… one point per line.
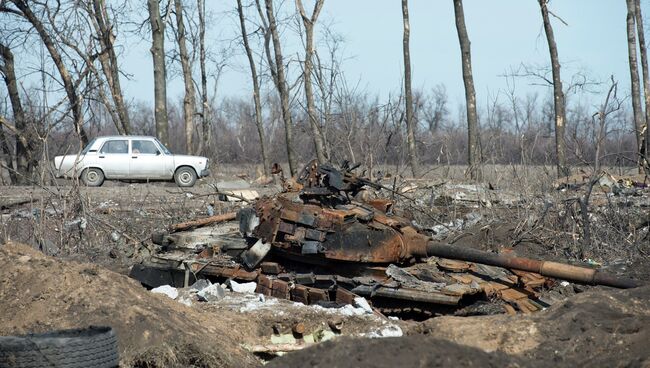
x=324, y=241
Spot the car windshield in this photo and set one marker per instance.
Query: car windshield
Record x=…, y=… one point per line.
x=87, y=148
x=162, y=146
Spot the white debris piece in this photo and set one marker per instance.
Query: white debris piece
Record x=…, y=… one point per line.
x=257, y=304
x=170, y=291
x=349, y=310
x=362, y=303
x=247, y=287
x=200, y=284
x=388, y=331
x=214, y=292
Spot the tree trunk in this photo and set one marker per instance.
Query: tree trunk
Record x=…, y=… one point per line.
x=634, y=77
x=646, y=80
x=281, y=85
x=308, y=22
x=189, y=99
x=9, y=75
x=473, y=146
x=256, y=91
x=159, y=71
x=205, y=108
x=5, y=151
x=558, y=94
x=70, y=90
x=108, y=61
x=408, y=94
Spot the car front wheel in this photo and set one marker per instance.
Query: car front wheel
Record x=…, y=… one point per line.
x=185, y=177
x=92, y=177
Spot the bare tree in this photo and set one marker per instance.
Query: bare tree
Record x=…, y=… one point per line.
x=646, y=81
x=205, y=108
x=308, y=22
x=159, y=70
x=281, y=84
x=186, y=65
x=559, y=101
x=108, y=59
x=256, y=90
x=435, y=109
x=68, y=84
x=634, y=78
x=408, y=94
x=609, y=106
x=7, y=70
x=473, y=145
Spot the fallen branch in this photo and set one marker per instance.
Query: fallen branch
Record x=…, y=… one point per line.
x=203, y=222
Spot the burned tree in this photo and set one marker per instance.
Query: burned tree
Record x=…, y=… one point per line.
x=159, y=70
x=189, y=99
x=634, y=78
x=408, y=95
x=473, y=145
x=256, y=90
x=559, y=101
x=308, y=22
x=279, y=78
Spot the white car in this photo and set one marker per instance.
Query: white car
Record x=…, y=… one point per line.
x=130, y=158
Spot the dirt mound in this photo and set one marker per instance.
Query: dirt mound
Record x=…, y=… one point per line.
x=410, y=351
x=43, y=293
x=601, y=327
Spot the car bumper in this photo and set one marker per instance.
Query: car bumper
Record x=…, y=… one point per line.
x=204, y=173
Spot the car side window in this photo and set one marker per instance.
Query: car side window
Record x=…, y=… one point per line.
x=143, y=147
x=115, y=146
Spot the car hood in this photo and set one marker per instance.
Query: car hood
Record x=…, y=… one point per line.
x=67, y=160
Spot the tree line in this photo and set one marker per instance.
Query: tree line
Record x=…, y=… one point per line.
x=299, y=106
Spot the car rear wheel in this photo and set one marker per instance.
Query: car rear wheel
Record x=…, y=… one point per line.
x=185, y=177
x=92, y=177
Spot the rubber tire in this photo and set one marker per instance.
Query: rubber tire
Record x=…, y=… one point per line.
x=89, y=347
x=97, y=173
x=185, y=176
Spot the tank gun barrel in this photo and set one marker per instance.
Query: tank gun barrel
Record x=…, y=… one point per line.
x=558, y=270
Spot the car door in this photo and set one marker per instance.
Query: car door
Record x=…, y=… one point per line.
x=114, y=158
x=147, y=162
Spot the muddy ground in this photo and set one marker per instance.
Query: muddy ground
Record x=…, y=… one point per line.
x=78, y=244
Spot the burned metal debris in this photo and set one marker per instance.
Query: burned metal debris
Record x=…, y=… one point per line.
x=319, y=242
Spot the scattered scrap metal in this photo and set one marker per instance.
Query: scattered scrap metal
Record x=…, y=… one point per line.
x=319, y=242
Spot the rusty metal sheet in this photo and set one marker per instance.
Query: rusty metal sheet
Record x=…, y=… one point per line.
x=453, y=265
x=407, y=294
x=381, y=204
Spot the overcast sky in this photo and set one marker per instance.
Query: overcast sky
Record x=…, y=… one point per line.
x=504, y=34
